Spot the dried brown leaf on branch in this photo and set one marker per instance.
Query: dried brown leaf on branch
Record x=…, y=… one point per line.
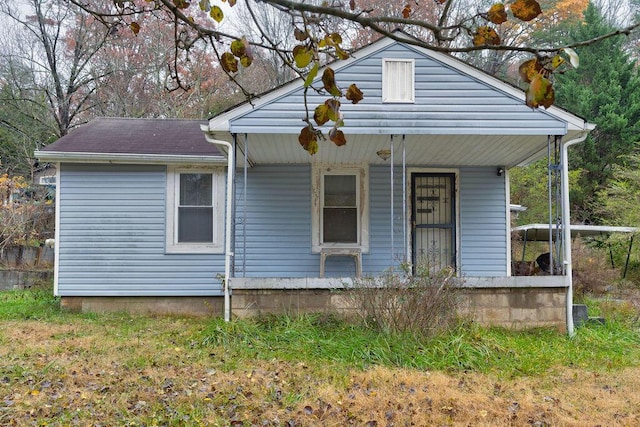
x=540, y=92
x=497, y=14
x=526, y=10
x=486, y=36
x=308, y=139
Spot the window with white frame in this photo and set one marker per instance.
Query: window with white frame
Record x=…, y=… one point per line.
x=340, y=208
x=195, y=216
x=340, y=205
x=398, y=80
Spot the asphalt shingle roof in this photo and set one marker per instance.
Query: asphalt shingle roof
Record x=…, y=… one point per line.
x=136, y=136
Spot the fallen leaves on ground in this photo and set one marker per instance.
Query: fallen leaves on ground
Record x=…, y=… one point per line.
x=87, y=373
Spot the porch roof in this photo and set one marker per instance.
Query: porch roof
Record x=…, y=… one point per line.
x=540, y=232
x=434, y=150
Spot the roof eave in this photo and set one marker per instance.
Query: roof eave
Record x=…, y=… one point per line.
x=122, y=158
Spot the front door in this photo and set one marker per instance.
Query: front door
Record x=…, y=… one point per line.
x=433, y=219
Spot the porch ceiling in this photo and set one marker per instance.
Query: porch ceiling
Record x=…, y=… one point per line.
x=432, y=150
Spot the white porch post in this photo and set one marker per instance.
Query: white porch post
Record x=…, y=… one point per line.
x=405, y=242
x=566, y=228
x=392, y=213
x=244, y=206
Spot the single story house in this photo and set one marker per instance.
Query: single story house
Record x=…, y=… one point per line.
x=233, y=216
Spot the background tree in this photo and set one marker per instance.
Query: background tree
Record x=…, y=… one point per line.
x=605, y=90
x=274, y=25
x=530, y=188
x=139, y=76
x=619, y=206
x=323, y=29
x=46, y=75
x=56, y=46
x=22, y=129
x=425, y=11
x=59, y=67
x=621, y=197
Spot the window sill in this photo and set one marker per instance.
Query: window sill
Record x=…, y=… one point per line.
x=398, y=101
x=194, y=249
x=337, y=246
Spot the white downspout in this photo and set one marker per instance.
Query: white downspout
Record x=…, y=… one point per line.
x=228, y=254
x=566, y=221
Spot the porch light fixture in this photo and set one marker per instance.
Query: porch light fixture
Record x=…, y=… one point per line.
x=499, y=171
x=384, y=154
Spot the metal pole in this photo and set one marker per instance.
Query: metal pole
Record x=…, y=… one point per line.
x=391, y=177
x=244, y=207
x=611, y=255
x=626, y=264
x=404, y=200
x=550, y=204
x=558, y=200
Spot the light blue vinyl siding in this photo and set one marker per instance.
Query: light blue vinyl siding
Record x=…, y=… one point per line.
x=112, y=230
x=112, y=237
x=483, y=223
x=381, y=257
x=278, y=224
x=447, y=102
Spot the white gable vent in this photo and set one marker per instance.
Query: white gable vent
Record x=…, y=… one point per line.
x=398, y=82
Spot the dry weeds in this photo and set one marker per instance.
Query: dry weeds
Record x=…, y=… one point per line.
x=91, y=374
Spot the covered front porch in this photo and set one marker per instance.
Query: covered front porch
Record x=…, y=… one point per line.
x=421, y=180
x=480, y=231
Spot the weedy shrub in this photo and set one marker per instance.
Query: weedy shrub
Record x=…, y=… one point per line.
x=592, y=272
x=423, y=304
x=26, y=218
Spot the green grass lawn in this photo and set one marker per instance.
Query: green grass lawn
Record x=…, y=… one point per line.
x=326, y=338
x=130, y=369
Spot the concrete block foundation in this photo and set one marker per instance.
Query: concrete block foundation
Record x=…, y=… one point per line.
x=190, y=306
x=515, y=308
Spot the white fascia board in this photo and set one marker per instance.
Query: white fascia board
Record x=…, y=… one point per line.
x=219, y=134
x=574, y=123
x=222, y=122
x=227, y=137
x=80, y=157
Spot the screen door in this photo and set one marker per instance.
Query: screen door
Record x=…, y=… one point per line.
x=433, y=232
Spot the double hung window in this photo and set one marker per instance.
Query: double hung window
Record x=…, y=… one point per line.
x=340, y=207
x=194, y=210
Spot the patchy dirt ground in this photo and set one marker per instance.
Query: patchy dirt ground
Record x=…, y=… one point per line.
x=94, y=375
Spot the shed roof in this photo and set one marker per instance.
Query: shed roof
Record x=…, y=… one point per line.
x=132, y=139
x=540, y=232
